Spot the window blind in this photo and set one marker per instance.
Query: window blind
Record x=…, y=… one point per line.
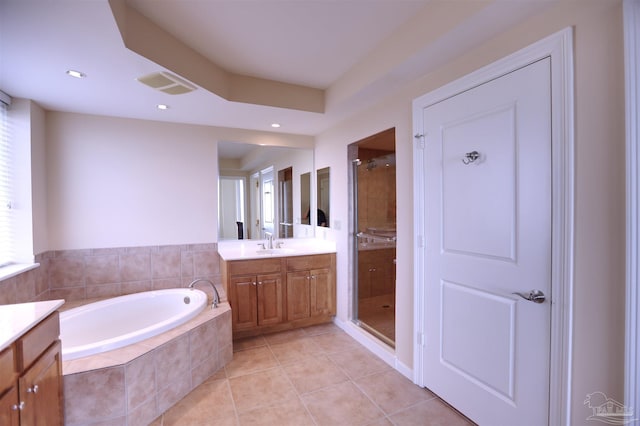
x=7, y=237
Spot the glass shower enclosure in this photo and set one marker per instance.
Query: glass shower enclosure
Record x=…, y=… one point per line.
x=373, y=227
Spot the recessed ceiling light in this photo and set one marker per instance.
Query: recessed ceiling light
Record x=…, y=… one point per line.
x=275, y=125
x=76, y=74
x=163, y=106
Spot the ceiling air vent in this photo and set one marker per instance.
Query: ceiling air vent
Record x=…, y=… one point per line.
x=167, y=83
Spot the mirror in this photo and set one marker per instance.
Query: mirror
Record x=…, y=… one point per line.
x=305, y=196
x=242, y=206
x=322, y=192
x=285, y=203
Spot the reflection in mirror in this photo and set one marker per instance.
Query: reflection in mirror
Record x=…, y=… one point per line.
x=232, y=212
x=305, y=196
x=249, y=162
x=285, y=203
x=322, y=181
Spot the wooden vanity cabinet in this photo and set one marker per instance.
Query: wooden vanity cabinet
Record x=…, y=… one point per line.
x=31, y=377
x=311, y=290
x=257, y=300
x=279, y=293
x=255, y=292
x=9, y=400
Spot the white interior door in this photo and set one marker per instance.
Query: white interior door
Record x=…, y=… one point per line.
x=268, y=201
x=488, y=236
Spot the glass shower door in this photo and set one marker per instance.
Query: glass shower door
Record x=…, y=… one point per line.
x=374, y=210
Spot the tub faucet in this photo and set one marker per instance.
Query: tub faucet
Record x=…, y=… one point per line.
x=216, y=296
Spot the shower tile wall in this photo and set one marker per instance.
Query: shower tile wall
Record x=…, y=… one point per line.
x=76, y=275
x=376, y=193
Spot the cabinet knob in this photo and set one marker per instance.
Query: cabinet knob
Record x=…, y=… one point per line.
x=33, y=389
x=254, y=283
x=259, y=282
x=18, y=407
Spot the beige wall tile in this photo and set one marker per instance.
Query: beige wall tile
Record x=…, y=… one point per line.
x=66, y=272
x=98, y=395
x=141, y=381
x=172, y=362
x=135, y=266
x=102, y=269
x=203, y=341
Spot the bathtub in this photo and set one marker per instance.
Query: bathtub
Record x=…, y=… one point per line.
x=114, y=323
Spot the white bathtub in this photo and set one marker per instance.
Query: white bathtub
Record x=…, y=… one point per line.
x=113, y=323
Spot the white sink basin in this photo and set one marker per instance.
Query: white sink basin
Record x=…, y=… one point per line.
x=275, y=251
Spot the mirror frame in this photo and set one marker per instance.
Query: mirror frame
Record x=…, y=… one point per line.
x=323, y=197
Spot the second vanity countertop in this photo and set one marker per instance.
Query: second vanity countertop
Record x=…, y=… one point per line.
x=252, y=249
x=16, y=320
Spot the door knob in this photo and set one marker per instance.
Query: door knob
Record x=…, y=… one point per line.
x=535, y=296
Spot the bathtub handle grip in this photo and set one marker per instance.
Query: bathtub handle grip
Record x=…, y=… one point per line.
x=33, y=389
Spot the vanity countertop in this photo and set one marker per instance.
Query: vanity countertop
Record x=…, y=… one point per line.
x=16, y=320
x=252, y=249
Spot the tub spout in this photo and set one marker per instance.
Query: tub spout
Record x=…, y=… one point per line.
x=216, y=296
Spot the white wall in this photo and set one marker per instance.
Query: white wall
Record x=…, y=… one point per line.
x=599, y=263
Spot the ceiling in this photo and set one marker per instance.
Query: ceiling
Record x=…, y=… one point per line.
x=330, y=47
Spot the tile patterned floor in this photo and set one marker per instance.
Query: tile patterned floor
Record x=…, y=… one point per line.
x=314, y=376
x=378, y=312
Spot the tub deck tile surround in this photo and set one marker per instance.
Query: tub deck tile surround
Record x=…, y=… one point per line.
x=136, y=384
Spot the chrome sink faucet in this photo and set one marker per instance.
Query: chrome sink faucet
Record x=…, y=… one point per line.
x=216, y=296
x=269, y=236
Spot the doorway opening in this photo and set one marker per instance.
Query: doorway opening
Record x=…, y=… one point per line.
x=373, y=225
x=285, y=203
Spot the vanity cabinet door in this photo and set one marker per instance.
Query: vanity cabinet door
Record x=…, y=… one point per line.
x=41, y=389
x=322, y=292
x=298, y=301
x=243, y=297
x=270, y=306
x=9, y=402
x=9, y=413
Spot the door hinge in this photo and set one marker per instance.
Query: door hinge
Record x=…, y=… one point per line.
x=420, y=241
x=419, y=137
x=420, y=339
